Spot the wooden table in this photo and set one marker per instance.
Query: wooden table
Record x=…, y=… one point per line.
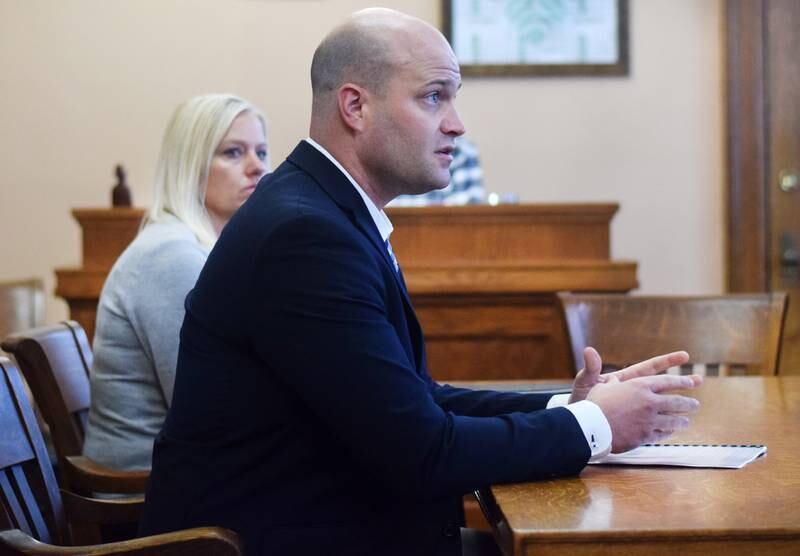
x=673, y=511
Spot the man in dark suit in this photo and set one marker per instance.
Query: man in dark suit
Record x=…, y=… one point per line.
x=303, y=414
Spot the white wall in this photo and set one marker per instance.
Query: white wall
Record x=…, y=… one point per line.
x=85, y=84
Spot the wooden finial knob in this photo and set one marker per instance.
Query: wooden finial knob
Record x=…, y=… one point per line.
x=121, y=193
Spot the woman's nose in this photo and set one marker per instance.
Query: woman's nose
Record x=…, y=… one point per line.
x=256, y=166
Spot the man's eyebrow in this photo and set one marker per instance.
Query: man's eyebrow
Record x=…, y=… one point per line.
x=444, y=83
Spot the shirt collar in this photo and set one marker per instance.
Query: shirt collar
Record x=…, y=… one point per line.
x=382, y=221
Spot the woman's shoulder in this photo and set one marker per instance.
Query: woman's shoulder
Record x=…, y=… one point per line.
x=171, y=236
x=163, y=247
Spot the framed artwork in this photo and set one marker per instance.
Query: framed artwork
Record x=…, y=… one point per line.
x=538, y=37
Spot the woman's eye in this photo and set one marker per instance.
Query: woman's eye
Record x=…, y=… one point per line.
x=262, y=154
x=232, y=152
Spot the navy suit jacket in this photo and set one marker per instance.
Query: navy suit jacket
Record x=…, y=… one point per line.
x=303, y=414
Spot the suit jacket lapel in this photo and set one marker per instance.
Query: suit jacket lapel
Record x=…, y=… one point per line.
x=339, y=188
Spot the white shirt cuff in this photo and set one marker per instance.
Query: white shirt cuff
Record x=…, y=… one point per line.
x=558, y=400
x=593, y=423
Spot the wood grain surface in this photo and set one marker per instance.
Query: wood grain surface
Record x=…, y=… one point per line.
x=662, y=510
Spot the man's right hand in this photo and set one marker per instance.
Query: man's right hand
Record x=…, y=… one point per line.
x=638, y=411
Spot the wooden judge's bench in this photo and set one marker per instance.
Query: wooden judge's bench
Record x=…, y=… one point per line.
x=482, y=279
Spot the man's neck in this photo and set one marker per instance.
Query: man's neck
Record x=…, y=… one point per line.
x=382, y=222
x=354, y=168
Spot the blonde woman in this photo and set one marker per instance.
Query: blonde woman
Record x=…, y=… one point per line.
x=213, y=154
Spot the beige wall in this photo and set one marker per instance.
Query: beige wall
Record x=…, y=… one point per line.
x=85, y=84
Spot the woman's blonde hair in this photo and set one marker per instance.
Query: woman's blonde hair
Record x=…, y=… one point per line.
x=192, y=136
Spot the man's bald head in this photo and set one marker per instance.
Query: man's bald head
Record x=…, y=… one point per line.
x=365, y=50
x=384, y=102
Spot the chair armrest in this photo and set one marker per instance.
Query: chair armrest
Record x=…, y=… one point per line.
x=202, y=541
x=101, y=511
x=85, y=475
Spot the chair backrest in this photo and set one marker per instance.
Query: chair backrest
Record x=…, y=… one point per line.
x=728, y=334
x=33, y=512
x=55, y=361
x=21, y=305
x=29, y=496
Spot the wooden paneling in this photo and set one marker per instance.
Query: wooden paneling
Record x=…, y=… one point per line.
x=783, y=42
x=510, y=233
x=106, y=233
x=526, y=277
x=763, y=122
x=747, y=146
x=493, y=337
x=482, y=279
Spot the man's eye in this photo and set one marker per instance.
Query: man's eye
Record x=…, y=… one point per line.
x=433, y=98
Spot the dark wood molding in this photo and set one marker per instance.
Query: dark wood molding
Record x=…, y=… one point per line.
x=747, y=145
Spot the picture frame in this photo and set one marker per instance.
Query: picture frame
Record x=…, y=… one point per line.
x=538, y=37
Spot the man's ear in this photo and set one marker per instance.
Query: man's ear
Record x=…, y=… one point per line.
x=351, y=100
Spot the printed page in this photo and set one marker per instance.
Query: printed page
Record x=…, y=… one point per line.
x=688, y=455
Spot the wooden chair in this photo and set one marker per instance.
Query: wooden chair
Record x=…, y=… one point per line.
x=21, y=308
x=21, y=305
x=38, y=514
x=56, y=361
x=729, y=334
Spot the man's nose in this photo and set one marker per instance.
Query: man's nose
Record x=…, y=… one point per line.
x=452, y=124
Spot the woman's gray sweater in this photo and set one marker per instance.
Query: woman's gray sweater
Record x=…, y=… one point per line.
x=139, y=317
